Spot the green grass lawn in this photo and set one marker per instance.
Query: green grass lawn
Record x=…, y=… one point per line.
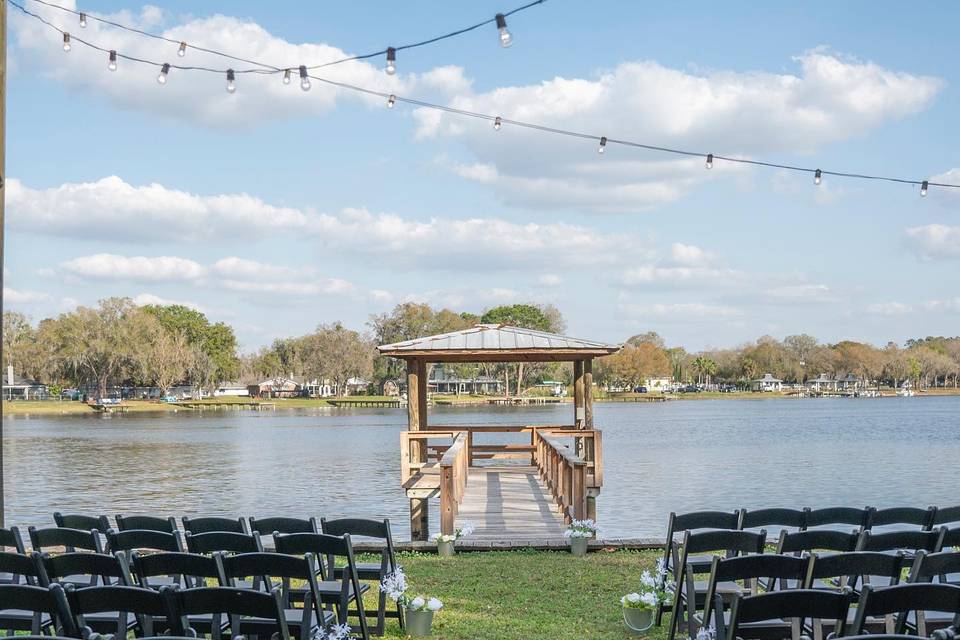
x=526, y=594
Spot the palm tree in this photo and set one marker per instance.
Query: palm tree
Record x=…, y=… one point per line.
x=705, y=368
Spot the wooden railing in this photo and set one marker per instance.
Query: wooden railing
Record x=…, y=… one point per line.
x=572, y=479
x=454, y=469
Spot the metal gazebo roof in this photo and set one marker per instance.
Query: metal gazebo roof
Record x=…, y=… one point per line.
x=497, y=343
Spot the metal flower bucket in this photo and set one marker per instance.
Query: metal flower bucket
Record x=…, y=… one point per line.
x=446, y=549
x=418, y=623
x=638, y=621
x=578, y=546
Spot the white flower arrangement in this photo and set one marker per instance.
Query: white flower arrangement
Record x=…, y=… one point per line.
x=336, y=632
x=655, y=589
x=581, y=529
x=465, y=530
x=395, y=586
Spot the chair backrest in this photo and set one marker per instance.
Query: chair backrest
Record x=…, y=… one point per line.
x=11, y=539
x=223, y=541
x=79, y=521
x=212, y=524
x=69, y=539
x=99, y=568
x=752, y=570
x=903, y=599
x=378, y=529
x=266, y=526
x=838, y=516
x=190, y=569
x=139, y=539
x=796, y=604
x=855, y=568
x=774, y=517
x=929, y=541
x=818, y=539
x=39, y=600
x=21, y=567
x=145, y=604
x=946, y=515
x=951, y=538
x=693, y=521
x=732, y=542
x=226, y=600
x=261, y=568
x=148, y=523
x=915, y=516
x=927, y=566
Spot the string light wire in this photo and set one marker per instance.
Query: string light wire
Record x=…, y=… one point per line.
x=497, y=120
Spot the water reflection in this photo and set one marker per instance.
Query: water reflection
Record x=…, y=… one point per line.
x=658, y=457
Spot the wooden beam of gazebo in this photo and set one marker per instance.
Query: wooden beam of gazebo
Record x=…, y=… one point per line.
x=491, y=343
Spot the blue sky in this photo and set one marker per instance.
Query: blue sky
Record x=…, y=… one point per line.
x=277, y=210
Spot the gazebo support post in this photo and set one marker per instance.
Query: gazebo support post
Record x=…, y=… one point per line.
x=424, y=388
x=579, y=408
x=417, y=421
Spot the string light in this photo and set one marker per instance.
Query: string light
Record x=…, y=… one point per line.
x=231, y=84
x=497, y=120
x=391, y=101
x=286, y=76
x=83, y=20
x=391, y=67
x=506, y=39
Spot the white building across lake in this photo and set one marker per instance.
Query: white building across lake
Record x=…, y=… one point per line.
x=767, y=383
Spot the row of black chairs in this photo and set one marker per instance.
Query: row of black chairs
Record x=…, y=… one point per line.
x=218, y=536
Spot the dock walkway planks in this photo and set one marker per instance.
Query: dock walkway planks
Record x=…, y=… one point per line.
x=509, y=503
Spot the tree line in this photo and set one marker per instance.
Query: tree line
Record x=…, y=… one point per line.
x=118, y=343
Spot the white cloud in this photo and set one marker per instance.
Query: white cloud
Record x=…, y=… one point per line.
x=652, y=275
x=682, y=311
x=107, y=266
x=889, y=309
x=831, y=98
x=199, y=96
x=550, y=280
x=144, y=299
x=689, y=254
x=20, y=297
x=809, y=292
x=934, y=241
x=947, y=305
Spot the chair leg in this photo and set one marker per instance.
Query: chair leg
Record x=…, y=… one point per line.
x=675, y=615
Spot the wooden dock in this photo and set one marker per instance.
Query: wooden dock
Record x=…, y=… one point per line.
x=387, y=404
x=509, y=503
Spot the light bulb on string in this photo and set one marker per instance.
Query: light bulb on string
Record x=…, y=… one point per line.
x=304, y=79
x=506, y=39
x=817, y=176
x=391, y=101
x=83, y=20
x=923, y=189
x=112, y=65
x=391, y=67
x=709, y=164
x=182, y=51
x=603, y=144
x=497, y=123
x=66, y=41
x=164, y=70
x=231, y=84
x=286, y=76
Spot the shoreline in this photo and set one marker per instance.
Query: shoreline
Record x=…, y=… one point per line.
x=71, y=407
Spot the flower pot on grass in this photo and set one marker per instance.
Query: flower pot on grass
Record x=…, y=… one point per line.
x=418, y=623
x=638, y=621
x=579, y=533
x=445, y=548
x=578, y=546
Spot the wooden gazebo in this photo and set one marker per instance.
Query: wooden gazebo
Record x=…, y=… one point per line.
x=566, y=460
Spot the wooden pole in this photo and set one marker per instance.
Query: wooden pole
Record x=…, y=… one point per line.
x=3, y=198
x=588, y=394
x=579, y=410
x=413, y=405
x=422, y=398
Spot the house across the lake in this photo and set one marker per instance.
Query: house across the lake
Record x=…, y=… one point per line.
x=443, y=380
x=767, y=383
x=230, y=389
x=822, y=383
x=17, y=387
x=278, y=387
x=849, y=382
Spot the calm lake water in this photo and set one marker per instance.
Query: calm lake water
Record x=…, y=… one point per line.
x=659, y=457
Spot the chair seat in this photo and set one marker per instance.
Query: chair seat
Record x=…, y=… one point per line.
x=332, y=589
x=20, y=620
x=294, y=618
x=365, y=571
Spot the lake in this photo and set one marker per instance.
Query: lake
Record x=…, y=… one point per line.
x=658, y=457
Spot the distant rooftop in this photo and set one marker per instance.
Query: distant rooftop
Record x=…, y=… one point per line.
x=497, y=343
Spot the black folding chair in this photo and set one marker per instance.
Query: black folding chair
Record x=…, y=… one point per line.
x=897, y=602
x=147, y=523
x=236, y=604
x=773, y=519
x=372, y=571
x=849, y=572
x=260, y=569
x=24, y=569
x=693, y=521
x=10, y=542
x=227, y=541
x=266, y=526
x=84, y=569
x=757, y=572
x=143, y=540
x=189, y=570
x=817, y=540
x=906, y=542
x=331, y=552
x=214, y=524
x=834, y=517
x=900, y=518
x=35, y=609
x=951, y=538
x=936, y=567
x=729, y=543
x=784, y=614
x=131, y=608
x=64, y=538
x=79, y=521
x=946, y=516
